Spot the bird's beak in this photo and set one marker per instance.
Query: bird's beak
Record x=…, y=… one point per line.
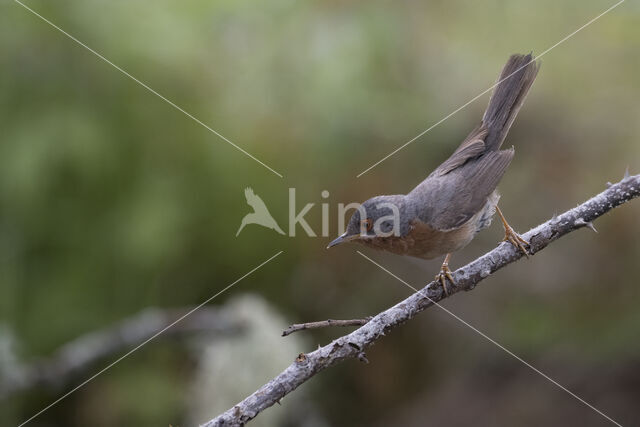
x=343, y=238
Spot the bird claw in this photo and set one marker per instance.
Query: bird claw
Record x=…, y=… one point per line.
x=443, y=276
x=515, y=239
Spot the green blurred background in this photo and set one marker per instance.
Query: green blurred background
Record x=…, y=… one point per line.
x=112, y=201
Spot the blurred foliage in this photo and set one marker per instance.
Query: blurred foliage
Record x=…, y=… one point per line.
x=111, y=200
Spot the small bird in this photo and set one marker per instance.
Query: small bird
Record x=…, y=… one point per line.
x=458, y=199
x=260, y=214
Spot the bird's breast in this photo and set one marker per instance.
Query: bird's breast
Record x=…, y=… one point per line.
x=424, y=241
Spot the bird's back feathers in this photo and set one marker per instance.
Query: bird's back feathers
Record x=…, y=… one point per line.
x=460, y=187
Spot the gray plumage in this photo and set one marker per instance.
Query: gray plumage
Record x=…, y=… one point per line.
x=458, y=199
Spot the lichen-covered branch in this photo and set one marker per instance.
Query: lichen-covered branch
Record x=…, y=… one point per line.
x=353, y=345
x=80, y=353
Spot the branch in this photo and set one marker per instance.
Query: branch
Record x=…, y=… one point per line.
x=323, y=324
x=78, y=354
x=466, y=278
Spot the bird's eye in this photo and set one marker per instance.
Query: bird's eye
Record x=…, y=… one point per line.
x=368, y=224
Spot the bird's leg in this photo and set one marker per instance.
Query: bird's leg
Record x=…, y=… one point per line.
x=445, y=274
x=511, y=236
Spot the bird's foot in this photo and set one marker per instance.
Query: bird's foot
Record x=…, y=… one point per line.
x=511, y=236
x=444, y=276
x=515, y=239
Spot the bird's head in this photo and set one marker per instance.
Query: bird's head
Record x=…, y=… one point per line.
x=378, y=217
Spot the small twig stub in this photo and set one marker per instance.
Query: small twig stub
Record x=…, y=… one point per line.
x=324, y=324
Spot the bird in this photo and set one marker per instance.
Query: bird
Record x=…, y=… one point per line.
x=260, y=214
x=443, y=213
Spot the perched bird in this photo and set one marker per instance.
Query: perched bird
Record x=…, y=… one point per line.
x=458, y=199
x=260, y=214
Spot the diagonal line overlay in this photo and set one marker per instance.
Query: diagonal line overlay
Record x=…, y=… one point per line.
x=136, y=348
x=487, y=90
x=186, y=113
x=494, y=342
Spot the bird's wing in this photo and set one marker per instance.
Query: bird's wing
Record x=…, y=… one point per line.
x=255, y=201
x=452, y=199
x=472, y=147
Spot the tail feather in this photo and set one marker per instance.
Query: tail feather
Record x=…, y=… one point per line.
x=513, y=84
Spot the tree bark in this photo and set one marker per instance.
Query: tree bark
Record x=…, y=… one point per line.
x=352, y=345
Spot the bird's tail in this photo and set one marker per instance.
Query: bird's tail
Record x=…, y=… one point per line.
x=513, y=84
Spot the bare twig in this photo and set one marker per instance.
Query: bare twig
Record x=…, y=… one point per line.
x=323, y=324
x=78, y=354
x=466, y=278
